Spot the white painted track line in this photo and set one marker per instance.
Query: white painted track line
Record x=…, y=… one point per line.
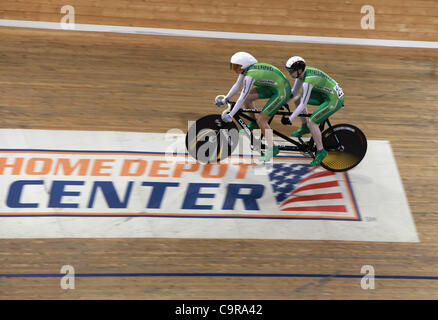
x=222, y=35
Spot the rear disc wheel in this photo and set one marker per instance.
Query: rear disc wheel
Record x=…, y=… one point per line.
x=346, y=146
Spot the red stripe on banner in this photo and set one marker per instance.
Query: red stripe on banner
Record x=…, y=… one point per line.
x=319, y=175
x=318, y=208
x=325, y=196
x=316, y=186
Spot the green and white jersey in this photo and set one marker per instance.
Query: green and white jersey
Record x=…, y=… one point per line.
x=260, y=75
x=266, y=75
x=322, y=83
x=315, y=81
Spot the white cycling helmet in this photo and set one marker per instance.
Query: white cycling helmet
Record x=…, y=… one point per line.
x=242, y=60
x=295, y=63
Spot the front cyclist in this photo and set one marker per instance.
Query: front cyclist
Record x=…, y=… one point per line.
x=260, y=81
x=318, y=89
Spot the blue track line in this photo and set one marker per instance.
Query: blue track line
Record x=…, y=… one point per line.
x=237, y=275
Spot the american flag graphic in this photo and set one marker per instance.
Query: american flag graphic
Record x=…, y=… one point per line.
x=303, y=190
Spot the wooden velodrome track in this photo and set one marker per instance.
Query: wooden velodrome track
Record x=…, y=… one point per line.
x=118, y=82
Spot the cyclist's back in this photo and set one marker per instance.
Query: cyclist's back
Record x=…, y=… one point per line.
x=266, y=75
x=322, y=83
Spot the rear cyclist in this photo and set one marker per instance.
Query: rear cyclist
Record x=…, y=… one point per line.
x=260, y=81
x=318, y=89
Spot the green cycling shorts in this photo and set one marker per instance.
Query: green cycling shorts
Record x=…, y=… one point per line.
x=326, y=107
x=277, y=98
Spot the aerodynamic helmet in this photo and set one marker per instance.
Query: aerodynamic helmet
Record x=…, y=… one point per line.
x=295, y=63
x=241, y=60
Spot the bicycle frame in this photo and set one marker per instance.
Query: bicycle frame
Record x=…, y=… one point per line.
x=299, y=146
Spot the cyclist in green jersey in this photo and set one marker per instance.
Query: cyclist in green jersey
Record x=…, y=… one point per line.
x=318, y=89
x=259, y=81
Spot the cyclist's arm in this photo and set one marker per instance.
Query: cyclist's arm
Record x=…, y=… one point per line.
x=296, y=88
x=247, y=85
x=235, y=88
x=307, y=89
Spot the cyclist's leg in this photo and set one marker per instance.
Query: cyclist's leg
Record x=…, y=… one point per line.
x=277, y=100
x=249, y=103
x=315, y=99
x=324, y=111
x=314, y=125
x=264, y=92
x=256, y=93
x=252, y=96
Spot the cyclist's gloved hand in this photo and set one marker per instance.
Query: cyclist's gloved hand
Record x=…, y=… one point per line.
x=227, y=118
x=220, y=100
